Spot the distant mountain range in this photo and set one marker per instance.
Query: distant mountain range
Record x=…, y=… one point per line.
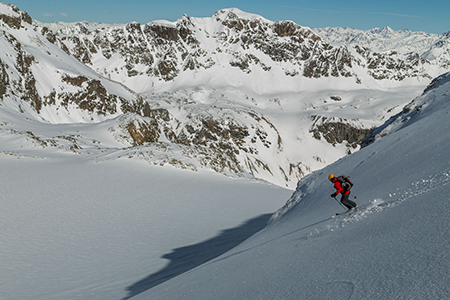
x=164, y=50
x=385, y=39
x=235, y=92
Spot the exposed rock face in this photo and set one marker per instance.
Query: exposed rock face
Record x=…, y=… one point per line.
x=392, y=65
x=337, y=131
x=144, y=132
x=15, y=22
x=93, y=97
x=26, y=85
x=4, y=79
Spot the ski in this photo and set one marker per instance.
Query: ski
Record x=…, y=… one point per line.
x=345, y=212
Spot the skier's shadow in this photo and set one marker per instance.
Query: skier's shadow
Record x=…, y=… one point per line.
x=186, y=258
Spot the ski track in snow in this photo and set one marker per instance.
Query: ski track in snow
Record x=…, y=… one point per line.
x=378, y=205
x=422, y=186
x=341, y=221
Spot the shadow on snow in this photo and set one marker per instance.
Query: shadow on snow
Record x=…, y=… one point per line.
x=187, y=258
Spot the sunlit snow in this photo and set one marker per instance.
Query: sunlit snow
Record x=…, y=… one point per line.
x=86, y=214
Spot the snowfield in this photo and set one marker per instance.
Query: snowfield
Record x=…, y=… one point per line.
x=74, y=229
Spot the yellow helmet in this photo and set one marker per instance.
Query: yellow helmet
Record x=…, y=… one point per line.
x=330, y=177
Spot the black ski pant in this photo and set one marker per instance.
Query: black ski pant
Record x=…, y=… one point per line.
x=348, y=203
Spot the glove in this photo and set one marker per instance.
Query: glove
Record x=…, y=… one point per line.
x=333, y=195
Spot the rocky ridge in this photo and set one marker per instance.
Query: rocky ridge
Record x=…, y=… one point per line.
x=161, y=50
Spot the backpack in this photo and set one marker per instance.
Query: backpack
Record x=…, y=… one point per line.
x=345, y=182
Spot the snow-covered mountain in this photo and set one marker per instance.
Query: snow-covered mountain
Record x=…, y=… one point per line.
x=248, y=44
x=235, y=92
x=90, y=26
x=433, y=49
x=39, y=79
x=382, y=40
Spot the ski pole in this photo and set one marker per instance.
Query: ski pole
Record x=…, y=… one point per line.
x=339, y=203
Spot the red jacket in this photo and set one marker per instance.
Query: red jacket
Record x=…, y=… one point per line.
x=338, y=187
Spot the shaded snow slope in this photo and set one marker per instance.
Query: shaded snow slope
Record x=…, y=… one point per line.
x=394, y=247
x=74, y=229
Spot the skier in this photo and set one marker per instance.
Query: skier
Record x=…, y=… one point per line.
x=341, y=189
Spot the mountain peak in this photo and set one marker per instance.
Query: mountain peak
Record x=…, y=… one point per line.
x=13, y=17
x=236, y=13
x=387, y=30
x=383, y=31
x=9, y=9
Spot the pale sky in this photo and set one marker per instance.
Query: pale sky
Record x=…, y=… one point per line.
x=428, y=16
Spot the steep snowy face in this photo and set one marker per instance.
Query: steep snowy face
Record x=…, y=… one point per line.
x=37, y=74
x=427, y=115
x=432, y=100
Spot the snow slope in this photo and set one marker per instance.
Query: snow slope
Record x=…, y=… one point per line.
x=75, y=229
x=396, y=246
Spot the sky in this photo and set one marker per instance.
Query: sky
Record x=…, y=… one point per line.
x=427, y=16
